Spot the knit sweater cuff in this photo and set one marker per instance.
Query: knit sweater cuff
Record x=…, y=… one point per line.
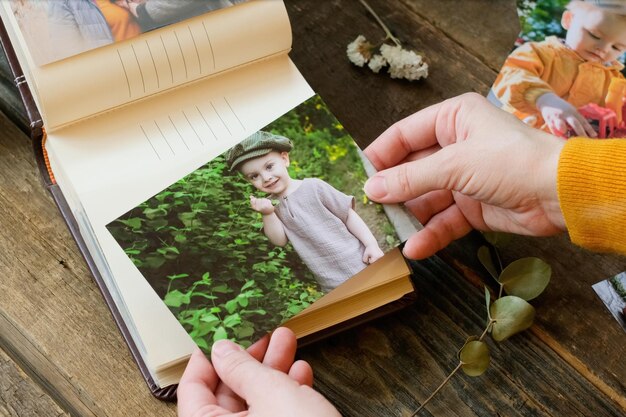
x=591, y=184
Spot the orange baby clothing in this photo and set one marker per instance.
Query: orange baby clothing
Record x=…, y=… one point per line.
x=536, y=68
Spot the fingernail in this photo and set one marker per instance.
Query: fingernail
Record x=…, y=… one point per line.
x=376, y=187
x=223, y=348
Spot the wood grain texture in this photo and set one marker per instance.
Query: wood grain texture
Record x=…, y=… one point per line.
x=570, y=316
x=55, y=326
x=386, y=367
x=53, y=321
x=21, y=396
x=367, y=103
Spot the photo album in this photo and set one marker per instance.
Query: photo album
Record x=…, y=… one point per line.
x=212, y=193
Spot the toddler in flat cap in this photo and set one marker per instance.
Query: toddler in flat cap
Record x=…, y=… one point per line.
x=319, y=221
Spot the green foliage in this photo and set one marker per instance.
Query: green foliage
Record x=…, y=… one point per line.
x=510, y=315
x=474, y=357
x=541, y=18
x=526, y=278
x=201, y=247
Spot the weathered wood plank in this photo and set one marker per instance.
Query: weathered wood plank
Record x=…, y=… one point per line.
x=485, y=28
x=385, y=367
x=570, y=317
x=20, y=396
x=52, y=317
x=367, y=103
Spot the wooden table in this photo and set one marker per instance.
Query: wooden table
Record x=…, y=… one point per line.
x=63, y=355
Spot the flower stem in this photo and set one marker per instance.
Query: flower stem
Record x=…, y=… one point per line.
x=380, y=22
x=445, y=381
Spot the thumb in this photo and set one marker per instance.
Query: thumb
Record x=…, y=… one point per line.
x=412, y=179
x=246, y=376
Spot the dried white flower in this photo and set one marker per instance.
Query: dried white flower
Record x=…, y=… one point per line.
x=359, y=51
x=376, y=63
x=404, y=63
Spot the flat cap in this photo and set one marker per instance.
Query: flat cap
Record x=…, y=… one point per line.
x=255, y=145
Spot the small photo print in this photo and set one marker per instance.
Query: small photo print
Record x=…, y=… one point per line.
x=565, y=74
x=58, y=29
x=612, y=292
x=261, y=232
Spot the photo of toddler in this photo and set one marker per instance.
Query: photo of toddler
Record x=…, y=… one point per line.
x=546, y=83
x=318, y=220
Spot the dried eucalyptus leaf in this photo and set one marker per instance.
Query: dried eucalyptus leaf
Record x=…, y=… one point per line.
x=488, y=301
x=474, y=358
x=511, y=315
x=469, y=339
x=526, y=278
x=497, y=239
x=484, y=256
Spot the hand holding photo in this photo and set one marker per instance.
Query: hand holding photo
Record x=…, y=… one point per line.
x=260, y=233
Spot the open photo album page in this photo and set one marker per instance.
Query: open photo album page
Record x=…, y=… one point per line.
x=261, y=232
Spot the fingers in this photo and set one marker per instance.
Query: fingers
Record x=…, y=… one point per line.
x=197, y=385
x=412, y=179
x=281, y=350
x=302, y=373
x=247, y=377
x=404, y=137
x=426, y=206
x=443, y=228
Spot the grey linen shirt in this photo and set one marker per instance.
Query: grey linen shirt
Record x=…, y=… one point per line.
x=314, y=218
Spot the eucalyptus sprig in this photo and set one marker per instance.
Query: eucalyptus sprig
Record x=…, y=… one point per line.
x=522, y=280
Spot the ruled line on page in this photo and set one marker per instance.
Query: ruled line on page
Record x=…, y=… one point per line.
x=206, y=122
x=164, y=137
x=169, y=61
x=150, y=142
x=182, y=54
x=221, y=119
x=196, y=48
x=130, y=94
x=143, y=81
x=208, y=38
x=178, y=131
x=193, y=128
x=234, y=113
x=156, y=71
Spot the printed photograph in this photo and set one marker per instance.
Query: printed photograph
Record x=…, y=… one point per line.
x=261, y=232
x=566, y=74
x=612, y=292
x=58, y=29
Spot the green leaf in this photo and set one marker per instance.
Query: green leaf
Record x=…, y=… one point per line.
x=231, y=306
x=474, y=358
x=176, y=298
x=497, y=239
x=232, y=320
x=511, y=315
x=134, y=223
x=484, y=256
x=202, y=344
x=488, y=301
x=526, y=278
x=220, y=333
x=248, y=284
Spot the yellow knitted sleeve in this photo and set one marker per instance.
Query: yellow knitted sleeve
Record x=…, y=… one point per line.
x=591, y=183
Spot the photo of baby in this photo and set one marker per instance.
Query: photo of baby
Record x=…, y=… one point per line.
x=57, y=29
x=261, y=232
x=574, y=85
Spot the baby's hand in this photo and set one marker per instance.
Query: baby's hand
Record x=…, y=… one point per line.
x=559, y=114
x=372, y=253
x=262, y=205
